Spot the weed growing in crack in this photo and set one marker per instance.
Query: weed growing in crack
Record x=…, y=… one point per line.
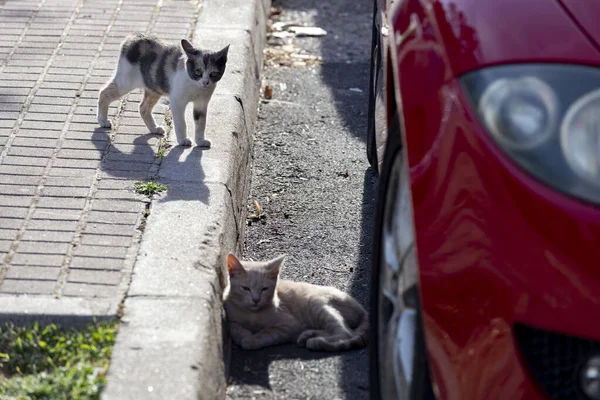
x=149, y=188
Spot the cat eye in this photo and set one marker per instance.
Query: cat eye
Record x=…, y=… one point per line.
x=263, y=289
x=246, y=288
x=214, y=74
x=198, y=72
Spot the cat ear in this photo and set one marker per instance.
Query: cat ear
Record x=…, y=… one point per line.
x=275, y=265
x=234, y=265
x=188, y=47
x=222, y=54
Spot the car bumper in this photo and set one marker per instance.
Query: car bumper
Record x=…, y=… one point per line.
x=495, y=248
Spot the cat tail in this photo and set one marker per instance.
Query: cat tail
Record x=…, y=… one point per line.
x=341, y=343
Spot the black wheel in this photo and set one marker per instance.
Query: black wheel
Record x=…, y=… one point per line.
x=398, y=359
x=373, y=84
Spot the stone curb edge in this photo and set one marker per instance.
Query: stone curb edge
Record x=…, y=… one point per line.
x=172, y=343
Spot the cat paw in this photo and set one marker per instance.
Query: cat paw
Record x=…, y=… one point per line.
x=185, y=142
x=249, y=343
x=203, y=143
x=105, y=123
x=159, y=130
x=315, y=343
x=304, y=336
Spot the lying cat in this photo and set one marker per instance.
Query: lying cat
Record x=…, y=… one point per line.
x=263, y=310
x=162, y=69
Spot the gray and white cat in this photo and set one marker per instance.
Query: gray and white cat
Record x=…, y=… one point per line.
x=163, y=69
x=264, y=310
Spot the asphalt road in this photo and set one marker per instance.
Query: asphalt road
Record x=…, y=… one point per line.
x=312, y=178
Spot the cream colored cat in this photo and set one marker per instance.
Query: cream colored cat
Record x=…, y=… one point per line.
x=263, y=310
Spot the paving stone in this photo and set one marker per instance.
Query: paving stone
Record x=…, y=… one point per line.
x=82, y=164
x=22, y=286
x=99, y=251
x=71, y=172
x=115, y=205
x=13, y=212
x=113, y=183
x=71, y=182
x=9, y=115
x=80, y=154
x=108, y=229
x=15, y=201
x=7, y=123
x=106, y=240
x=20, y=170
x=30, y=272
x=63, y=191
x=43, y=126
x=48, y=134
x=50, y=101
x=48, y=236
x=103, y=263
x=61, y=203
x=47, y=116
x=42, y=224
x=131, y=167
x=128, y=194
x=21, y=190
x=57, y=214
x=95, y=276
x=11, y=223
x=42, y=248
x=23, y=142
x=8, y=234
x=37, y=151
x=85, y=290
x=5, y=245
x=26, y=161
x=86, y=144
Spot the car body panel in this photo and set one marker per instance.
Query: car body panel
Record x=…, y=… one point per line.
x=545, y=33
x=495, y=246
x=585, y=14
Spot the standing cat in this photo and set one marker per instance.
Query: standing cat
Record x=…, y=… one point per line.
x=162, y=69
x=263, y=310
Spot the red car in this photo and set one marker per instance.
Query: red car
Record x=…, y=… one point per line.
x=486, y=274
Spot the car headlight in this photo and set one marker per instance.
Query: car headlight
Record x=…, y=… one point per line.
x=545, y=117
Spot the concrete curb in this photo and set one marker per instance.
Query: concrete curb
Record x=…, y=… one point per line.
x=171, y=344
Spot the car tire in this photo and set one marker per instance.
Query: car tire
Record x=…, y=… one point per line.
x=373, y=76
x=420, y=387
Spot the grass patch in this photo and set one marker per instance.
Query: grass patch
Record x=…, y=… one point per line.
x=149, y=188
x=53, y=363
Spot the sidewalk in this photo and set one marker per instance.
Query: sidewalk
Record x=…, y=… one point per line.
x=75, y=237
x=69, y=217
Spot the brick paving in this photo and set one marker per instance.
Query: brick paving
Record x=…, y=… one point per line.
x=69, y=217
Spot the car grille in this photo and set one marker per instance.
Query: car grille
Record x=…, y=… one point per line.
x=555, y=360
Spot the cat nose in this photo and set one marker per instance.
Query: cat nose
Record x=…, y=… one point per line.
x=255, y=301
x=204, y=83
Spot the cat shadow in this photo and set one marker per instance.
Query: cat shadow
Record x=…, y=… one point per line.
x=181, y=170
x=136, y=164
x=253, y=370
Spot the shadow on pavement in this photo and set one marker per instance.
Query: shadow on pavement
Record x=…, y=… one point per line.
x=184, y=165
x=252, y=370
x=345, y=52
x=180, y=167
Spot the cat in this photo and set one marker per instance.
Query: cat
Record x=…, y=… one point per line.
x=185, y=74
x=264, y=310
